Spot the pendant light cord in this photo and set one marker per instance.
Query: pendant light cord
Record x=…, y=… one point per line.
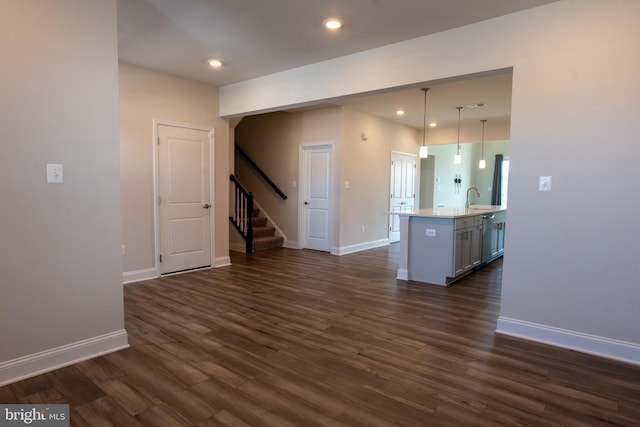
x=459, y=109
x=483, y=121
x=424, y=117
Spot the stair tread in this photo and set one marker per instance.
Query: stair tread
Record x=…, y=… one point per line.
x=266, y=238
x=267, y=242
x=264, y=231
x=258, y=221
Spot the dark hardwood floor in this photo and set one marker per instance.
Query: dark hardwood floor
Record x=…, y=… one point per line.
x=302, y=338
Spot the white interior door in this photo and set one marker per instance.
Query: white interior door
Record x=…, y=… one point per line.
x=317, y=197
x=184, y=199
x=403, y=182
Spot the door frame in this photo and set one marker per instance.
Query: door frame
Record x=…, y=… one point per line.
x=156, y=188
x=302, y=181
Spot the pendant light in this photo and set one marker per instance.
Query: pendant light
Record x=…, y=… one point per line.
x=424, y=150
x=482, y=164
x=457, y=159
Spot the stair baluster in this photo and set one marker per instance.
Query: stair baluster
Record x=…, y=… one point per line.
x=242, y=213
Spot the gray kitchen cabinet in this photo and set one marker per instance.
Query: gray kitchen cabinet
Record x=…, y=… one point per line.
x=493, y=236
x=467, y=244
x=442, y=250
x=500, y=238
x=441, y=245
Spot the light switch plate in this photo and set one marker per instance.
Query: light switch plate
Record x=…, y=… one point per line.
x=54, y=173
x=544, y=184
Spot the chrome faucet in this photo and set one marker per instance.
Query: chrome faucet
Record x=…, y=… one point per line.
x=466, y=204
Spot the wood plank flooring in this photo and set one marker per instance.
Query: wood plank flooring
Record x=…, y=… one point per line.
x=302, y=338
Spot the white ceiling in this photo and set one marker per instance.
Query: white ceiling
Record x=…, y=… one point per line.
x=493, y=90
x=259, y=37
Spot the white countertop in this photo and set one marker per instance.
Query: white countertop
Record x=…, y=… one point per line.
x=453, y=212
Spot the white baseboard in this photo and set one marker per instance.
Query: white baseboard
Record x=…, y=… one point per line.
x=403, y=274
x=360, y=247
x=290, y=244
x=222, y=261
x=55, y=358
x=586, y=343
x=139, y=275
x=152, y=273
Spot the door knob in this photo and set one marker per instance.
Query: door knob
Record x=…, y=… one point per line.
x=206, y=206
x=306, y=203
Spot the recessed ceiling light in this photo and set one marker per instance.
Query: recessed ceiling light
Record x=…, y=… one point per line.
x=400, y=112
x=332, y=23
x=215, y=63
x=433, y=124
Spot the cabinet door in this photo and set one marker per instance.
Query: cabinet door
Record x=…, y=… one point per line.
x=468, y=249
x=475, y=246
x=500, y=238
x=495, y=239
x=460, y=251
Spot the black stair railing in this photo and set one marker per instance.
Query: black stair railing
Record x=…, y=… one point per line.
x=242, y=212
x=260, y=172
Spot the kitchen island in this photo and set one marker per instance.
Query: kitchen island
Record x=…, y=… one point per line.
x=441, y=245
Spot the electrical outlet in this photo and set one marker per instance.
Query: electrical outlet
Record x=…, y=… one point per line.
x=124, y=250
x=362, y=227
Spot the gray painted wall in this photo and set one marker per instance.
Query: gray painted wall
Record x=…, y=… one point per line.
x=59, y=243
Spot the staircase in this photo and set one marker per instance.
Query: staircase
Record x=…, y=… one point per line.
x=254, y=229
x=263, y=234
